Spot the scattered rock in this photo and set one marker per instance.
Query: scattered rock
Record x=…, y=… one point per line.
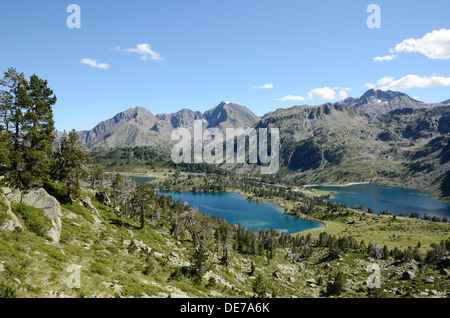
x=277, y=275
x=302, y=266
x=142, y=246
x=291, y=279
x=178, y=295
x=215, y=294
x=51, y=294
x=444, y=271
x=287, y=269
x=433, y=292
x=71, y=216
x=176, y=259
x=219, y=279
x=107, y=285
x=311, y=281
x=429, y=280
x=117, y=289
x=408, y=275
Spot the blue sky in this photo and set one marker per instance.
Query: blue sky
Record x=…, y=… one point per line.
x=174, y=54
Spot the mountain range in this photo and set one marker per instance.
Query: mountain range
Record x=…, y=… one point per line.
x=139, y=127
x=382, y=102
x=382, y=136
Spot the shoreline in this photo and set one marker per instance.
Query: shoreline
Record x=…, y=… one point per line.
x=335, y=185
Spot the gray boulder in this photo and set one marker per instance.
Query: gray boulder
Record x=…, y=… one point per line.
x=40, y=199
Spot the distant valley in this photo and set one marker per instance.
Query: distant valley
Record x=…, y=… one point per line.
x=383, y=137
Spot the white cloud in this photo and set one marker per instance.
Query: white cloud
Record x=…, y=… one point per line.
x=324, y=93
x=343, y=94
x=291, y=98
x=265, y=86
x=434, y=45
x=385, y=58
x=94, y=63
x=144, y=50
x=412, y=81
x=370, y=85
x=385, y=80
x=416, y=97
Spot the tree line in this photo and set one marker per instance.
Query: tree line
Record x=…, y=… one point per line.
x=31, y=153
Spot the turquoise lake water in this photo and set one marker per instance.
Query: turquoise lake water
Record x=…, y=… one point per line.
x=252, y=215
x=382, y=198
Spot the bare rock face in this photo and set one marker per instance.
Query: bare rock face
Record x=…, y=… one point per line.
x=13, y=221
x=13, y=195
x=40, y=199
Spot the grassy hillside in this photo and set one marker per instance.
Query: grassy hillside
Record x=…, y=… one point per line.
x=118, y=259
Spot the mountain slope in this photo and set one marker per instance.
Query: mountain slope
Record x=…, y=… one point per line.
x=230, y=115
x=139, y=127
x=132, y=127
x=381, y=102
x=341, y=144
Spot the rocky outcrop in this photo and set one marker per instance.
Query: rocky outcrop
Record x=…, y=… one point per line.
x=40, y=199
x=13, y=222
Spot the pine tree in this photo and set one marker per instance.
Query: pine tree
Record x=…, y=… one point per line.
x=199, y=262
x=97, y=175
x=39, y=133
x=259, y=287
x=28, y=127
x=336, y=286
x=70, y=157
x=4, y=151
x=14, y=104
x=141, y=201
